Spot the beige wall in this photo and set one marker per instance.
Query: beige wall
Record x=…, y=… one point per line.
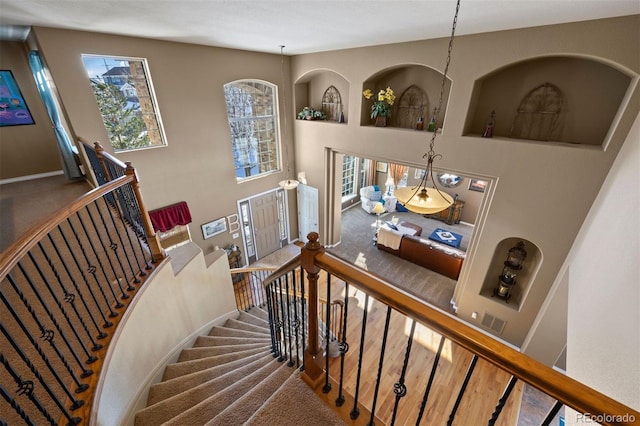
x=540, y=192
x=196, y=166
x=26, y=150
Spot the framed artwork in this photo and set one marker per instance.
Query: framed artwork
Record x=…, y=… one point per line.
x=13, y=108
x=381, y=167
x=477, y=185
x=214, y=228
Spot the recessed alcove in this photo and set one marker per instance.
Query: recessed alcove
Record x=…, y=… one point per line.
x=417, y=91
x=524, y=274
x=323, y=90
x=586, y=94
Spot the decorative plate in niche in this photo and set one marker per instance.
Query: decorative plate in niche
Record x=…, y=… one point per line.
x=449, y=180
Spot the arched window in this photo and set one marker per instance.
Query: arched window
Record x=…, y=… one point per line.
x=252, y=114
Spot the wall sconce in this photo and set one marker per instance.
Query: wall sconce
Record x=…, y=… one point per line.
x=507, y=279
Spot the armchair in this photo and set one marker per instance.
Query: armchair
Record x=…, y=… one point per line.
x=369, y=196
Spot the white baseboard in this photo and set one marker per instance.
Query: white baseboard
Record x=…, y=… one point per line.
x=31, y=177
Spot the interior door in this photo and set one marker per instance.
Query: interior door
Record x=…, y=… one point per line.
x=266, y=228
x=307, y=211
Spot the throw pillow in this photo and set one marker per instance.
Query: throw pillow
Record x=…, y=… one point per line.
x=376, y=196
x=391, y=225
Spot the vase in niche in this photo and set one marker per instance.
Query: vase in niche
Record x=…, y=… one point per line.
x=381, y=121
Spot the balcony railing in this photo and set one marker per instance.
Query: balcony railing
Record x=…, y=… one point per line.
x=412, y=349
x=64, y=286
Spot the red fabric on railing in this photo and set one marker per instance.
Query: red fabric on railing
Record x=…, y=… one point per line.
x=166, y=218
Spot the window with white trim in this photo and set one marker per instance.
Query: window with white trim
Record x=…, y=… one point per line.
x=349, y=176
x=124, y=93
x=252, y=113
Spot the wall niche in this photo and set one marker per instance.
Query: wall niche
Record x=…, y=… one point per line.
x=584, y=95
x=511, y=293
x=417, y=91
x=325, y=91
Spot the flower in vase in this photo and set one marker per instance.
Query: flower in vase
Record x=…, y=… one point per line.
x=382, y=103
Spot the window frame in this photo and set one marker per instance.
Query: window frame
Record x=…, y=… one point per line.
x=153, y=101
x=277, y=150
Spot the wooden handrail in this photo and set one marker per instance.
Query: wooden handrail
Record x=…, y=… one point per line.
x=17, y=250
x=559, y=386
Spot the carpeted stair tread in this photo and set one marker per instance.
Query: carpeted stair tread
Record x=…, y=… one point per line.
x=260, y=313
x=233, y=332
x=165, y=409
x=181, y=368
x=168, y=388
x=241, y=410
x=203, y=341
x=215, y=404
x=310, y=410
x=207, y=351
x=253, y=319
x=241, y=325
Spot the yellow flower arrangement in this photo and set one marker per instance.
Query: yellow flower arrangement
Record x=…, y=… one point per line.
x=382, y=106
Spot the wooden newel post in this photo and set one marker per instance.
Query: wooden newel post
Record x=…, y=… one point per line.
x=99, y=150
x=313, y=357
x=154, y=241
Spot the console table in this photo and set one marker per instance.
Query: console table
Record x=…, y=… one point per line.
x=450, y=215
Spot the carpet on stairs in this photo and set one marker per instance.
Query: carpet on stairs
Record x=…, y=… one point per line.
x=231, y=377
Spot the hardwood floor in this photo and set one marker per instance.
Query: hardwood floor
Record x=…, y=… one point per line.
x=482, y=394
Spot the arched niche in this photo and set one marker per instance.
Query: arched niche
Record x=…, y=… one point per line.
x=591, y=92
x=524, y=274
x=310, y=90
x=400, y=79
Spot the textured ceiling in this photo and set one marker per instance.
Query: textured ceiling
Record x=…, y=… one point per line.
x=301, y=26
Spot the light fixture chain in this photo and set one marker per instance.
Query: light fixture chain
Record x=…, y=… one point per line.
x=444, y=76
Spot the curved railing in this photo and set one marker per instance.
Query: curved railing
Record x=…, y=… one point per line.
x=64, y=286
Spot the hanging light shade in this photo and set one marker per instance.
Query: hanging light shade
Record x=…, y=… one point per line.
x=287, y=183
x=423, y=198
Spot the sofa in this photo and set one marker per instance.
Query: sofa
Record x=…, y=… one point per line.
x=429, y=254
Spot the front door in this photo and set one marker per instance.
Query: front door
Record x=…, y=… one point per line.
x=307, y=211
x=266, y=225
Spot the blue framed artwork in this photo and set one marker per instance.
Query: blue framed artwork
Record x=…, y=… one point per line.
x=13, y=108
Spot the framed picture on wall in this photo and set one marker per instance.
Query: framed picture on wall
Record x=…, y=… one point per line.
x=13, y=109
x=214, y=228
x=382, y=167
x=477, y=185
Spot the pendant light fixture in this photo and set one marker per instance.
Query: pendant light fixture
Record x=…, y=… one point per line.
x=287, y=183
x=421, y=198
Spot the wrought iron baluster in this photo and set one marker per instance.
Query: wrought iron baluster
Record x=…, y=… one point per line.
x=72, y=327
x=400, y=389
x=101, y=266
x=327, y=337
x=303, y=313
x=343, y=346
x=122, y=245
x=467, y=377
x=272, y=321
x=432, y=376
x=47, y=335
x=77, y=403
x=380, y=364
x=106, y=323
x=122, y=215
x=132, y=210
x=24, y=388
x=124, y=194
x=503, y=400
x=289, y=321
x=281, y=319
x=552, y=414
x=296, y=318
x=114, y=249
x=71, y=297
x=355, y=412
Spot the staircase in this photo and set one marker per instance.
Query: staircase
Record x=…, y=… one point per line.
x=230, y=377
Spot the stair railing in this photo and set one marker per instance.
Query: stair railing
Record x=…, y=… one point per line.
x=64, y=286
x=420, y=315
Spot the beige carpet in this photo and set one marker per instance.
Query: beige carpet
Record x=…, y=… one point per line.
x=356, y=246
